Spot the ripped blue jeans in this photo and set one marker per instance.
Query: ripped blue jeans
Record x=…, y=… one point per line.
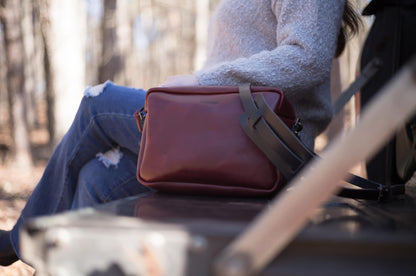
x=95, y=162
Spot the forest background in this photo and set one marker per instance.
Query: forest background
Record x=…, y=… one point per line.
x=51, y=50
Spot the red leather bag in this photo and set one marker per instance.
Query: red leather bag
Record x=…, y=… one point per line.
x=192, y=142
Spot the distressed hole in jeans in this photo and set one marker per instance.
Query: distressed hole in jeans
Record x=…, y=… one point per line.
x=111, y=157
x=95, y=90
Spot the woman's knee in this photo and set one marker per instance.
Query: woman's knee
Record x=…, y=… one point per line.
x=87, y=191
x=110, y=98
x=94, y=91
x=109, y=176
x=95, y=99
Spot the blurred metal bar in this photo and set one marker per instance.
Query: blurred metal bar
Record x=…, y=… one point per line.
x=269, y=234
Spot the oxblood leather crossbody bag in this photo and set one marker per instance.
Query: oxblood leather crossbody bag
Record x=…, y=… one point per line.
x=192, y=142
x=226, y=140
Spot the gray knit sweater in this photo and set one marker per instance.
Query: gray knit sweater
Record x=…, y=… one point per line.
x=287, y=44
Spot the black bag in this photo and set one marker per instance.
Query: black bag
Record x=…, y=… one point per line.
x=392, y=40
x=405, y=149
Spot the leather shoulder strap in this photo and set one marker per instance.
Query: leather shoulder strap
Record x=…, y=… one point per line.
x=366, y=74
x=287, y=152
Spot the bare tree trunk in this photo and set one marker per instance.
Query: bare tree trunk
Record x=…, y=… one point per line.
x=3, y=86
x=49, y=75
x=29, y=60
x=94, y=45
x=64, y=33
x=186, y=39
x=10, y=16
x=125, y=41
x=201, y=30
x=111, y=63
x=5, y=139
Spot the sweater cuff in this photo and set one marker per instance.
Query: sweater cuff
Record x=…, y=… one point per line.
x=216, y=77
x=206, y=79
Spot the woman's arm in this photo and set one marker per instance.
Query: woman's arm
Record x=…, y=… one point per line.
x=306, y=37
x=181, y=80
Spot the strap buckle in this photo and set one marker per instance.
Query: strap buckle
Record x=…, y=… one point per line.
x=297, y=127
x=140, y=116
x=255, y=117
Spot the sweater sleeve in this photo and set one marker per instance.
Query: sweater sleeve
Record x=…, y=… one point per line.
x=306, y=35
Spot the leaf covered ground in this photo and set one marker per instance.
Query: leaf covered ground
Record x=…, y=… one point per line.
x=16, y=185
